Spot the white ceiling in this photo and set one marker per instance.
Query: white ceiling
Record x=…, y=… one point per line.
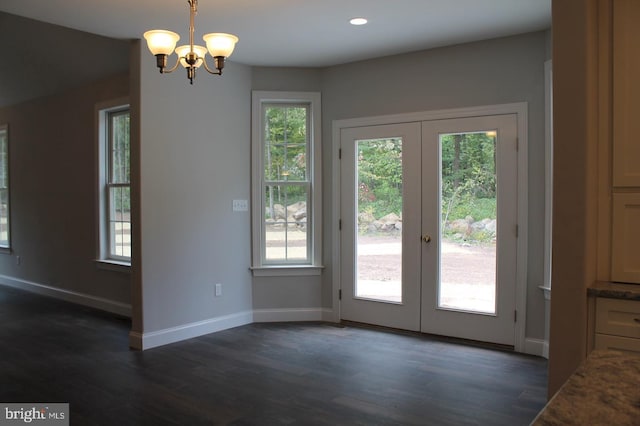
x=308, y=33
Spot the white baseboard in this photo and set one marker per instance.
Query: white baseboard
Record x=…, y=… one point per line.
x=289, y=315
x=108, y=305
x=329, y=315
x=536, y=347
x=143, y=341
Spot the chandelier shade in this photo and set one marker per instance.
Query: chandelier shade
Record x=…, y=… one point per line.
x=161, y=42
x=183, y=51
x=220, y=44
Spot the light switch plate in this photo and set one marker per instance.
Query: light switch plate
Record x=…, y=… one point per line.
x=240, y=205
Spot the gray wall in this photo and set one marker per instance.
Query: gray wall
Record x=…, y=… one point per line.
x=489, y=72
x=48, y=59
x=287, y=292
x=194, y=160
x=53, y=193
x=194, y=155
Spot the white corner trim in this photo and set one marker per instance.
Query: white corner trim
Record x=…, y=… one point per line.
x=166, y=336
x=289, y=315
x=101, y=303
x=547, y=292
x=536, y=347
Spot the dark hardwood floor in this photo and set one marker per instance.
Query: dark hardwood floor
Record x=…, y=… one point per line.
x=260, y=374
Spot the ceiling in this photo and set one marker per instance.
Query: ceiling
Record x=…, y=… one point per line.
x=301, y=33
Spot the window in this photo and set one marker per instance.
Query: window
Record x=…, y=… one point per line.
x=4, y=186
x=115, y=185
x=286, y=185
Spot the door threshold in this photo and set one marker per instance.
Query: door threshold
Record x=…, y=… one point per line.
x=429, y=336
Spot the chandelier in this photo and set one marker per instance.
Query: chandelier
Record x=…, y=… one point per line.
x=191, y=56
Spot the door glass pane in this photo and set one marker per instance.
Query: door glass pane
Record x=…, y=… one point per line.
x=379, y=207
x=469, y=222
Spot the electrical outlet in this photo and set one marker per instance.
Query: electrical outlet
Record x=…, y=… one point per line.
x=218, y=291
x=18, y=260
x=240, y=205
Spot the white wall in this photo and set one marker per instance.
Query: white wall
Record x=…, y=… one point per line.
x=194, y=160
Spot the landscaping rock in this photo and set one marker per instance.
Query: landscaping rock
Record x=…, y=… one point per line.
x=295, y=207
x=300, y=214
x=278, y=212
x=390, y=218
x=460, y=226
x=365, y=218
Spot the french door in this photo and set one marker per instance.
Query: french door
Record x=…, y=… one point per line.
x=428, y=237
x=380, y=268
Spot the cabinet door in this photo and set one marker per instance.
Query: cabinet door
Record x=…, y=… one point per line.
x=626, y=93
x=625, y=247
x=623, y=344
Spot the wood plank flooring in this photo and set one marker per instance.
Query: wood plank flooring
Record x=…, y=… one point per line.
x=260, y=374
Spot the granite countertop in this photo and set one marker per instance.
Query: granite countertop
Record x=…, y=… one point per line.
x=614, y=290
x=604, y=390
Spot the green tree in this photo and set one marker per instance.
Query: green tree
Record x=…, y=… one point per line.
x=380, y=176
x=468, y=175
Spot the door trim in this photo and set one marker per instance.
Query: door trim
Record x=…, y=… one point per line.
x=521, y=111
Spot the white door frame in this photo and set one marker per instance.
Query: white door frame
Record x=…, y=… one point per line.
x=521, y=111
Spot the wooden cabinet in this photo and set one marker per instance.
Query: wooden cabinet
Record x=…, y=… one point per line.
x=625, y=247
x=617, y=324
x=626, y=93
x=625, y=105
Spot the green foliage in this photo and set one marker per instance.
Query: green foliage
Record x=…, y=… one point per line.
x=477, y=208
x=285, y=154
x=120, y=147
x=120, y=160
x=468, y=176
x=285, y=135
x=380, y=177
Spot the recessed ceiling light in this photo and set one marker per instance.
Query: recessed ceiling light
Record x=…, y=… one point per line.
x=358, y=21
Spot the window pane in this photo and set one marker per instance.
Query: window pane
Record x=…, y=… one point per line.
x=4, y=217
x=4, y=159
x=120, y=221
x=4, y=187
x=286, y=143
x=286, y=231
x=119, y=147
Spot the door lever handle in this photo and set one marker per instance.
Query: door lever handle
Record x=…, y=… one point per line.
x=426, y=238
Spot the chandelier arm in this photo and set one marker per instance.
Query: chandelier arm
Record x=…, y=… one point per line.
x=172, y=69
x=209, y=70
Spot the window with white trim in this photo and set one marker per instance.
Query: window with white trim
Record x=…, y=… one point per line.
x=286, y=185
x=4, y=187
x=115, y=185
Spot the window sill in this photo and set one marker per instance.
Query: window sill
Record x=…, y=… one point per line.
x=113, y=265
x=286, y=271
x=5, y=250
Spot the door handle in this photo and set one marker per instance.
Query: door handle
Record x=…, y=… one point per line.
x=426, y=238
